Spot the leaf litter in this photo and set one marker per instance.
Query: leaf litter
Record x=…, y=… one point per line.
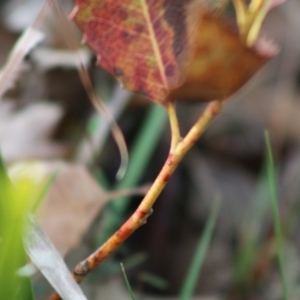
x=72, y=202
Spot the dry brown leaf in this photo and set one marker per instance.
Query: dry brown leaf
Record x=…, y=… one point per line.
x=72, y=202
x=221, y=63
x=25, y=133
x=15, y=65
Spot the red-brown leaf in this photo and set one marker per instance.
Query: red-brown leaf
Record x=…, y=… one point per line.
x=221, y=64
x=141, y=42
x=170, y=49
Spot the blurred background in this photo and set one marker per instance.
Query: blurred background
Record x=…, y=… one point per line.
x=48, y=119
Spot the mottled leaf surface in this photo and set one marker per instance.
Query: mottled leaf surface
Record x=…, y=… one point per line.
x=170, y=49
x=141, y=42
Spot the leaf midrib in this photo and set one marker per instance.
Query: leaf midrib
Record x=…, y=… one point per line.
x=154, y=42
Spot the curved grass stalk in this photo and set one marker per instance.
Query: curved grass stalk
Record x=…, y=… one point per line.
x=96, y=101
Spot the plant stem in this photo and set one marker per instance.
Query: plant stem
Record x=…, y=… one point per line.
x=250, y=18
x=143, y=211
x=241, y=15
x=175, y=130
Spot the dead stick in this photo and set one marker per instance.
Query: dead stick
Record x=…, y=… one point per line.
x=141, y=214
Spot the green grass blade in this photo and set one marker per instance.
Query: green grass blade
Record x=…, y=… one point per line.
x=250, y=232
x=276, y=217
x=140, y=156
x=197, y=262
x=127, y=283
x=153, y=280
x=25, y=291
x=145, y=145
x=44, y=191
x=14, y=204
